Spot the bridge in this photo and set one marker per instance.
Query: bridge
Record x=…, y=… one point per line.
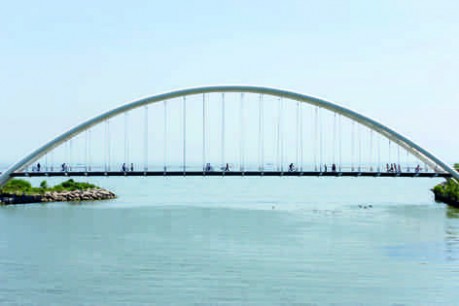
x=230, y=131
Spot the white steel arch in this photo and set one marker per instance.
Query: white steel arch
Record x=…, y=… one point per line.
x=399, y=139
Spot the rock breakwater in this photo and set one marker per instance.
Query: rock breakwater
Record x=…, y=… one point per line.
x=78, y=195
x=94, y=194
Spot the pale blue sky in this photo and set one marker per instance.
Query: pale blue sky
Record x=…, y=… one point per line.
x=63, y=62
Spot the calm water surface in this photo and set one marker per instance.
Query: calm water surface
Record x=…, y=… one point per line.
x=235, y=240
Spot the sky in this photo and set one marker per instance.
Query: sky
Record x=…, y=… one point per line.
x=64, y=62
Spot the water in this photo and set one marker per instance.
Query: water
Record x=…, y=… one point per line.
x=235, y=240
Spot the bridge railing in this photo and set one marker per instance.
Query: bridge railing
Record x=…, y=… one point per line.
x=231, y=167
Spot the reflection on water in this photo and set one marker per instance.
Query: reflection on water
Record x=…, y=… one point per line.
x=452, y=234
x=452, y=212
x=235, y=240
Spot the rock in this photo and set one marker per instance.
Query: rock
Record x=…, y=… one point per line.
x=78, y=195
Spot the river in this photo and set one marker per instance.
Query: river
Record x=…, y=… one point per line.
x=232, y=240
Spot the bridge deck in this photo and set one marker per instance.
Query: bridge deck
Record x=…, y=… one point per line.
x=230, y=173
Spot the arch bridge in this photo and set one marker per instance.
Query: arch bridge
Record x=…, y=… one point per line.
x=231, y=131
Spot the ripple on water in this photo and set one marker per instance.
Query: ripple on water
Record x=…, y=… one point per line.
x=263, y=241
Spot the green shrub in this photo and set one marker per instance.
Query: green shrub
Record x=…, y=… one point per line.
x=57, y=188
x=449, y=189
x=44, y=184
x=18, y=186
x=71, y=185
